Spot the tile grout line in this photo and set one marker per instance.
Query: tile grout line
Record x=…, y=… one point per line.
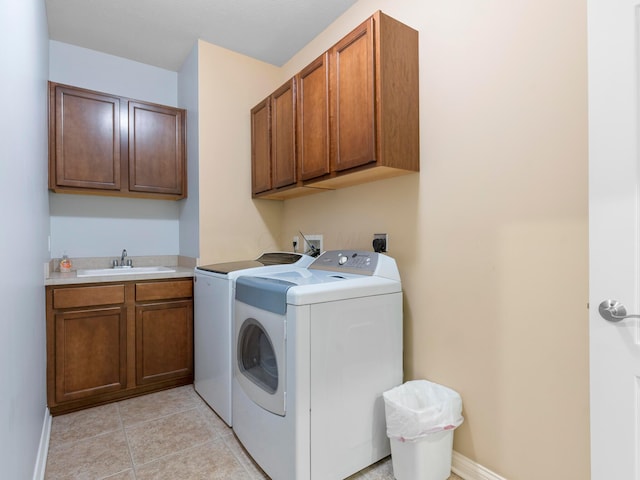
x=240, y=460
x=83, y=439
x=135, y=465
x=59, y=444
x=210, y=428
x=116, y=473
x=126, y=439
x=160, y=417
x=192, y=447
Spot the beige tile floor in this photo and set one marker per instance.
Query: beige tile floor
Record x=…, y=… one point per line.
x=169, y=435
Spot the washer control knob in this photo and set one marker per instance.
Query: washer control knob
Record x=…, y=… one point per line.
x=342, y=259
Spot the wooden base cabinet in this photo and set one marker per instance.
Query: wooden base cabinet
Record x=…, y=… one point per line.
x=107, y=342
x=91, y=353
x=163, y=349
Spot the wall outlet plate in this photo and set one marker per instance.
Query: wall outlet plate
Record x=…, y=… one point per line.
x=381, y=237
x=315, y=240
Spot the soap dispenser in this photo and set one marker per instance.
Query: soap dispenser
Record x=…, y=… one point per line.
x=65, y=263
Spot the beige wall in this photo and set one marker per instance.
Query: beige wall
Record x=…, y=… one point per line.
x=232, y=226
x=491, y=236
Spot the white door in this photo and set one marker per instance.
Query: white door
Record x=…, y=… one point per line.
x=614, y=236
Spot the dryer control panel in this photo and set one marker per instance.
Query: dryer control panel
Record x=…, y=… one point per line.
x=349, y=261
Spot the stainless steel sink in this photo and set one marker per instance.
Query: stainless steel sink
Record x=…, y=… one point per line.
x=100, y=272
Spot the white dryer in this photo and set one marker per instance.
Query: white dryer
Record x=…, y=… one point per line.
x=315, y=350
x=213, y=323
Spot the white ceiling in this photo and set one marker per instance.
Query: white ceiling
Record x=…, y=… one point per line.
x=163, y=32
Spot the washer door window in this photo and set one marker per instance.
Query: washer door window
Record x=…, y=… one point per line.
x=257, y=358
x=260, y=368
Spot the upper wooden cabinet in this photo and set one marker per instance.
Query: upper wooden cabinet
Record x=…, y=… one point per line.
x=84, y=139
x=157, y=162
x=374, y=104
x=108, y=145
x=357, y=111
x=313, y=119
x=353, y=78
x=261, y=147
x=274, y=164
x=283, y=139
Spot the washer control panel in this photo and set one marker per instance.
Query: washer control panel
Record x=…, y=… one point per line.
x=351, y=261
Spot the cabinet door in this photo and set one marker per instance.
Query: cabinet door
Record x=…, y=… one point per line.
x=90, y=352
x=164, y=341
x=156, y=149
x=261, y=147
x=283, y=137
x=313, y=119
x=84, y=150
x=352, y=99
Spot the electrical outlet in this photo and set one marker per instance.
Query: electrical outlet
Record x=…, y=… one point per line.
x=314, y=241
x=380, y=242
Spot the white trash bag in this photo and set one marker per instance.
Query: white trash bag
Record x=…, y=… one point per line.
x=419, y=408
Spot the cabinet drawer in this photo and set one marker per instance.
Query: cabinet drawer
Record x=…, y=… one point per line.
x=164, y=290
x=88, y=296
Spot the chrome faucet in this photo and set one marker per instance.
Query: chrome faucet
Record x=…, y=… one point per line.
x=122, y=264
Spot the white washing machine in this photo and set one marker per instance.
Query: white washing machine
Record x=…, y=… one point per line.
x=213, y=323
x=315, y=350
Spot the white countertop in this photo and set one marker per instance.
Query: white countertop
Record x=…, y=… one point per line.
x=181, y=265
x=70, y=278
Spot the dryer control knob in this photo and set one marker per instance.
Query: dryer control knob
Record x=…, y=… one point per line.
x=342, y=260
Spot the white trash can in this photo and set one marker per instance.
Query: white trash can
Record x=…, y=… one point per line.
x=421, y=417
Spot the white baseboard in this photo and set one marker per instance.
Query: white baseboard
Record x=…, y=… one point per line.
x=470, y=470
x=43, y=449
